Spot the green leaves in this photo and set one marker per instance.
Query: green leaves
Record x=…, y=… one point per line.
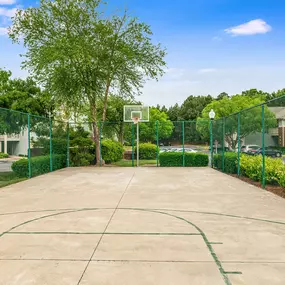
x=148, y=130
x=175, y=159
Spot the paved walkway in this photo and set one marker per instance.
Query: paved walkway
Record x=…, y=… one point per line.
x=146, y=226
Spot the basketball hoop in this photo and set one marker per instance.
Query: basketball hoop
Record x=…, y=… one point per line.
x=136, y=120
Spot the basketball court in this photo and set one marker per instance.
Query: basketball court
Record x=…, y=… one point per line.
x=126, y=226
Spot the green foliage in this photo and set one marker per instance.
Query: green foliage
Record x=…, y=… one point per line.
x=251, y=120
x=129, y=163
x=115, y=126
x=59, y=146
x=81, y=157
x=39, y=165
x=148, y=130
x=193, y=106
x=174, y=159
x=112, y=151
x=251, y=166
x=3, y=155
x=81, y=52
x=147, y=151
x=24, y=95
x=82, y=149
x=230, y=162
x=282, y=180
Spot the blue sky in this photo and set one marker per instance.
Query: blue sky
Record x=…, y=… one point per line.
x=213, y=45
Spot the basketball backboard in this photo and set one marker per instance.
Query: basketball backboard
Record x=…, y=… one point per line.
x=136, y=111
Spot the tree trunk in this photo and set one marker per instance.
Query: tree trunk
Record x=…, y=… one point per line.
x=121, y=134
x=96, y=138
x=96, y=133
x=106, y=101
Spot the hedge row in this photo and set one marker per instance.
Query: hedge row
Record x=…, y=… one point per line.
x=251, y=167
x=176, y=159
x=39, y=165
x=230, y=161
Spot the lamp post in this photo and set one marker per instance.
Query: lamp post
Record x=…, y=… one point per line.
x=212, y=115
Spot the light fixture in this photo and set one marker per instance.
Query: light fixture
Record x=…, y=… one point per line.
x=212, y=114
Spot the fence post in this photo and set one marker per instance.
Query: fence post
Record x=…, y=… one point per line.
x=239, y=143
x=211, y=141
x=263, y=147
x=183, y=142
x=223, y=145
x=133, y=144
x=67, y=150
x=157, y=142
x=50, y=144
x=100, y=134
x=29, y=146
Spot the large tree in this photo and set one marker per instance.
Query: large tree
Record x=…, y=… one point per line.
x=82, y=53
x=250, y=122
x=148, y=130
x=193, y=106
x=24, y=95
x=115, y=125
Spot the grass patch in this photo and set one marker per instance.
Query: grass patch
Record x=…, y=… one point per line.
x=8, y=178
x=128, y=163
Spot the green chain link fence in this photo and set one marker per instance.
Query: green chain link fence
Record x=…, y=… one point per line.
x=253, y=143
x=249, y=144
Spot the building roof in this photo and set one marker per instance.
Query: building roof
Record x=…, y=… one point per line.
x=279, y=112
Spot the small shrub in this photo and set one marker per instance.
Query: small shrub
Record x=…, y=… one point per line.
x=176, y=159
x=112, y=151
x=282, y=180
x=39, y=165
x=251, y=166
x=147, y=151
x=3, y=155
x=82, y=152
x=230, y=162
x=22, y=155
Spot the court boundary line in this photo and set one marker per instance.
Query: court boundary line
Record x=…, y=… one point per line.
x=158, y=209
x=224, y=274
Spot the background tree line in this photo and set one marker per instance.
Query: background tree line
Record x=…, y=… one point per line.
x=25, y=95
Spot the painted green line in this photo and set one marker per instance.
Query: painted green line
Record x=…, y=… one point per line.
x=102, y=233
x=209, y=246
x=156, y=209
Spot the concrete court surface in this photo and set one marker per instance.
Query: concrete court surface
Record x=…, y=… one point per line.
x=140, y=226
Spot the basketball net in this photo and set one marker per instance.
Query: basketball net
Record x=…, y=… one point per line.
x=136, y=120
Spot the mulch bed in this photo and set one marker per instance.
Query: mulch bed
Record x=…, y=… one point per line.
x=276, y=189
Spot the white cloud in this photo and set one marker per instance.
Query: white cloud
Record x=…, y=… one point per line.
x=3, y=31
x=7, y=2
x=253, y=27
x=7, y=12
x=207, y=70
